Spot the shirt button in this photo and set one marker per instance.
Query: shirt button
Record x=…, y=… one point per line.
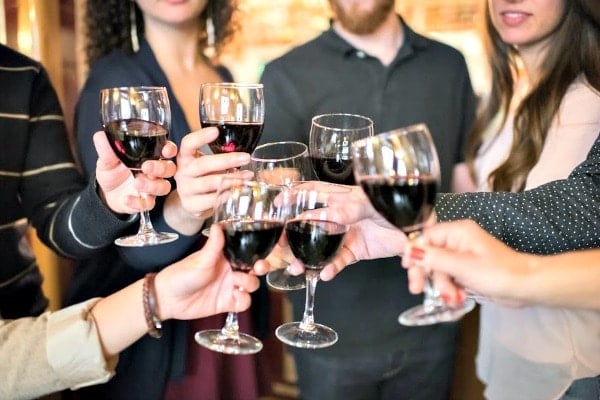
x=360, y=54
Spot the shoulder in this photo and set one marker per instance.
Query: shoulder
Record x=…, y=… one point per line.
x=10, y=58
x=302, y=54
x=581, y=103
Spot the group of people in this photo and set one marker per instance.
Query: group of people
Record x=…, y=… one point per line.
x=544, y=106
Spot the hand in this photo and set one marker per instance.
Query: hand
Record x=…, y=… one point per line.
x=203, y=284
x=198, y=175
x=118, y=188
x=462, y=255
x=370, y=235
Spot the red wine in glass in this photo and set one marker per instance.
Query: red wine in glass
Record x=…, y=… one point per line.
x=237, y=110
x=135, y=141
x=249, y=241
x=404, y=201
x=399, y=172
x=314, y=242
x=252, y=216
x=136, y=120
x=233, y=136
x=314, y=239
x=337, y=169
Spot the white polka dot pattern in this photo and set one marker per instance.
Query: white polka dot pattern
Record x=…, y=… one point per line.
x=555, y=217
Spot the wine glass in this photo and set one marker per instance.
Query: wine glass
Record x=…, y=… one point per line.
x=331, y=137
x=399, y=172
x=314, y=239
x=282, y=163
x=252, y=216
x=137, y=121
x=237, y=110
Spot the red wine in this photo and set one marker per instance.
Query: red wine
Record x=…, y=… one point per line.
x=249, y=241
x=314, y=242
x=135, y=141
x=334, y=169
x=235, y=136
x=406, y=202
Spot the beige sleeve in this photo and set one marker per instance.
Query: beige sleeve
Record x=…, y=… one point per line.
x=52, y=352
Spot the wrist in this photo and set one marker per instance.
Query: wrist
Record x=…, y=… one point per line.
x=151, y=306
x=177, y=216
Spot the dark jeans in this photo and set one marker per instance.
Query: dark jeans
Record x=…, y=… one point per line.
x=583, y=389
x=423, y=373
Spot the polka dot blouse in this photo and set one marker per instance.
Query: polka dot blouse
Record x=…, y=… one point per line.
x=555, y=217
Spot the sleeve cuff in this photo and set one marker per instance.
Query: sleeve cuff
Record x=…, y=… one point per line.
x=73, y=347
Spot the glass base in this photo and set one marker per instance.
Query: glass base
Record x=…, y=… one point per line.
x=421, y=315
x=318, y=337
x=215, y=340
x=140, y=240
x=280, y=279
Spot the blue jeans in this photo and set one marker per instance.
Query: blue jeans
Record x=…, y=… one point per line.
x=583, y=389
x=416, y=374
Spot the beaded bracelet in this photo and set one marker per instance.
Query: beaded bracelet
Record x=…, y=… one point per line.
x=149, y=300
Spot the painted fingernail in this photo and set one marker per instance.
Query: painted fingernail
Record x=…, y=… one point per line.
x=416, y=254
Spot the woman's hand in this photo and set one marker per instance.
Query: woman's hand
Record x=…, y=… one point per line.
x=117, y=186
x=462, y=255
x=203, y=284
x=198, y=177
x=370, y=235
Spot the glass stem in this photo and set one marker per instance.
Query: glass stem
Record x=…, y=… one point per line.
x=308, y=319
x=231, y=330
x=146, y=229
x=432, y=298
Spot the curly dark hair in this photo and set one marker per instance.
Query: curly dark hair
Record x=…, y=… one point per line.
x=108, y=25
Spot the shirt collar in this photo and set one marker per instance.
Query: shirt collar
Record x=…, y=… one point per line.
x=413, y=42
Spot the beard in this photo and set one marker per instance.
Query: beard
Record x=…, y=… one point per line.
x=357, y=19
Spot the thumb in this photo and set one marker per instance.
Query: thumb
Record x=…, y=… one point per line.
x=213, y=248
x=107, y=159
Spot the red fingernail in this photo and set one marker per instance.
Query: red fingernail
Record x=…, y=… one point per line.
x=416, y=254
x=446, y=297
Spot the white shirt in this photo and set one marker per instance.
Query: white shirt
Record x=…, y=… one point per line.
x=536, y=352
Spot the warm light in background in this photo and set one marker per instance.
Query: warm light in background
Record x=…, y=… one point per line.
x=270, y=28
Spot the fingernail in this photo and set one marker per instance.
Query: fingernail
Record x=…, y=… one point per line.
x=416, y=254
x=446, y=297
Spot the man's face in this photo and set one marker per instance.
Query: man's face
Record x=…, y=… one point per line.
x=361, y=17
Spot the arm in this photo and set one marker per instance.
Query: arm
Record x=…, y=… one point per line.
x=474, y=259
x=558, y=216
x=561, y=215
x=77, y=346
x=51, y=191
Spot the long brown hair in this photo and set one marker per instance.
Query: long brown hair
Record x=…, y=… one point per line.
x=575, y=51
x=108, y=25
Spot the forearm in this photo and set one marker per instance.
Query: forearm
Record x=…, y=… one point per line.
x=559, y=216
x=567, y=280
x=119, y=319
x=69, y=230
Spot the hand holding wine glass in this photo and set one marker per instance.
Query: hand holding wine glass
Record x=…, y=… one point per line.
x=330, y=147
x=237, y=110
x=137, y=121
x=314, y=239
x=399, y=172
x=252, y=216
x=282, y=163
